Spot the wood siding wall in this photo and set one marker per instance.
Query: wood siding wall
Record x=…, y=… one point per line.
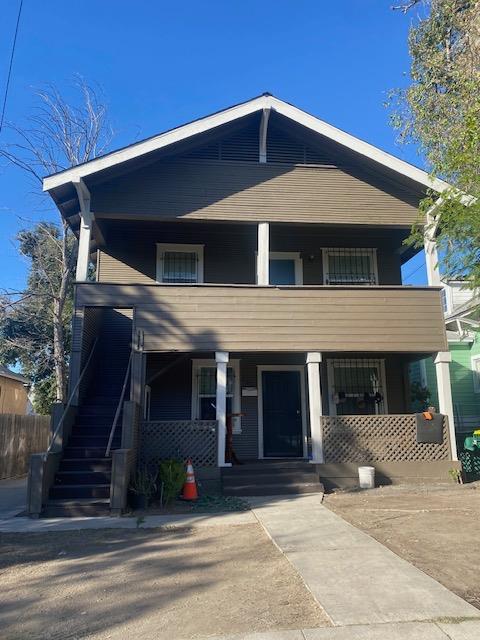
x=239, y=318
x=243, y=191
x=13, y=396
x=229, y=250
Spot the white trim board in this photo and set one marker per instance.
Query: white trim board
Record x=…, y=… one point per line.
x=230, y=114
x=303, y=399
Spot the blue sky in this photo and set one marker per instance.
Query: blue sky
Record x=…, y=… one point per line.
x=160, y=64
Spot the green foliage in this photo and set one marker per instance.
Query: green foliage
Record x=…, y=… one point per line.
x=172, y=476
x=419, y=395
x=27, y=317
x=144, y=483
x=440, y=111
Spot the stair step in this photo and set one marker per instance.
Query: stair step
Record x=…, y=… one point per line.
x=85, y=464
x=274, y=489
x=91, y=441
x=82, y=477
x=287, y=478
x=76, y=508
x=97, y=430
x=84, y=452
x=80, y=491
x=269, y=468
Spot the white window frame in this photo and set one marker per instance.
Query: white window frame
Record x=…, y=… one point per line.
x=303, y=399
x=295, y=256
x=475, y=373
x=341, y=251
x=358, y=362
x=197, y=364
x=162, y=247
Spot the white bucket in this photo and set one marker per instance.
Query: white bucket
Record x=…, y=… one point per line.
x=366, y=477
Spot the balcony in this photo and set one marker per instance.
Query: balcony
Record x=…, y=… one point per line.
x=209, y=317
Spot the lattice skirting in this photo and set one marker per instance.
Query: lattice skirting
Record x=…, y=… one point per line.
x=163, y=440
x=388, y=438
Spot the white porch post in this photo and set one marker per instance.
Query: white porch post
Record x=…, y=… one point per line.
x=431, y=256
x=221, y=358
x=445, y=404
x=315, y=405
x=83, y=257
x=263, y=253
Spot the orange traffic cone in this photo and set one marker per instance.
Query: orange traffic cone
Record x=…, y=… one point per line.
x=190, y=486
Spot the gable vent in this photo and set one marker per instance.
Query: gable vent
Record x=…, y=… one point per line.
x=283, y=148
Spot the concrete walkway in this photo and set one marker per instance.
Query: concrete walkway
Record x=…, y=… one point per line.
x=367, y=591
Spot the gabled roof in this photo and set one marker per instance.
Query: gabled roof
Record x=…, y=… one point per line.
x=6, y=373
x=203, y=125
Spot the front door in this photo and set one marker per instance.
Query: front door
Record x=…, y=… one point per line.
x=282, y=414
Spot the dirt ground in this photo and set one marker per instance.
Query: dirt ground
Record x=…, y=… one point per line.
x=436, y=528
x=175, y=584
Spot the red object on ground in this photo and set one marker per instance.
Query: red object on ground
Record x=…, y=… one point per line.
x=190, y=486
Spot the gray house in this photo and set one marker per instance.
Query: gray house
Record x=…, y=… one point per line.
x=247, y=307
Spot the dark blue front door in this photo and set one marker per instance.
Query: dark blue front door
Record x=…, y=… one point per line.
x=282, y=414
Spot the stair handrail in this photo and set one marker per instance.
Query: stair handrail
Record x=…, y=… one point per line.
x=119, y=406
x=69, y=402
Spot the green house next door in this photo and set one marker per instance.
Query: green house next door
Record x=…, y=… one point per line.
x=282, y=414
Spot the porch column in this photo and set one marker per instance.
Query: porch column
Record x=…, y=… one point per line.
x=221, y=358
x=445, y=404
x=315, y=405
x=431, y=256
x=263, y=254
x=84, y=247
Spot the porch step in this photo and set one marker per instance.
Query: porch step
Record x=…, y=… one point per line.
x=74, y=491
x=82, y=477
x=262, y=479
x=270, y=478
x=85, y=464
x=84, y=452
x=91, y=441
x=273, y=489
x=76, y=508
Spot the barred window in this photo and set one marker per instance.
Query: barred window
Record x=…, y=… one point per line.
x=357, y=386
x=182, y=264
x=350, y=266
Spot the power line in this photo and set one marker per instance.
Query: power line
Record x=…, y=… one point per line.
x=414, y=272
x=10, y=65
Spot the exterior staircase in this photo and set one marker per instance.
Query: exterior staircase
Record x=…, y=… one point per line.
x=271, y=478
x=82, y=482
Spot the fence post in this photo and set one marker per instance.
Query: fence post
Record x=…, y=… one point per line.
x=35, y=485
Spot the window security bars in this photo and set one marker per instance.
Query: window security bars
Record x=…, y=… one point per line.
x=357, y=387
x=350, y=266
x=180, y=267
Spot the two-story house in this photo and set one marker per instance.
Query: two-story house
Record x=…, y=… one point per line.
x=248, y=275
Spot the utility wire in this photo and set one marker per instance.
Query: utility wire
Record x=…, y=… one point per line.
x=414, y=272
x=10, y=65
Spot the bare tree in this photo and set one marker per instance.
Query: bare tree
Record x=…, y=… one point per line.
x=58, y=135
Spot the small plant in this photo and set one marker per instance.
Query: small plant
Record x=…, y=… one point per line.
x=144, y=483
x=456, y=475
x=139, y=521
x=419, y=395
x=172, y=477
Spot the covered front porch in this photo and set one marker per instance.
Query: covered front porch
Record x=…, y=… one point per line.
x=334, y=409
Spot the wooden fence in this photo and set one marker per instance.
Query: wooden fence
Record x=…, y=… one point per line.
x=20, y=436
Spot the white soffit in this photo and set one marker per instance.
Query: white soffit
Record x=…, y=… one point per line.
x=229, y=115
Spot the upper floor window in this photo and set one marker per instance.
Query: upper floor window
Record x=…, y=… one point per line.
x=286, y=268
x=350, y=266
x=179, y=263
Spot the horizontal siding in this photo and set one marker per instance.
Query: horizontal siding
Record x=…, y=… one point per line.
x=229, y=250
x=251, y=191
x=236, y=318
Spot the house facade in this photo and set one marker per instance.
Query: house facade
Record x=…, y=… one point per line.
x=13, y=392
x=462, y=324
x=248, y=302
